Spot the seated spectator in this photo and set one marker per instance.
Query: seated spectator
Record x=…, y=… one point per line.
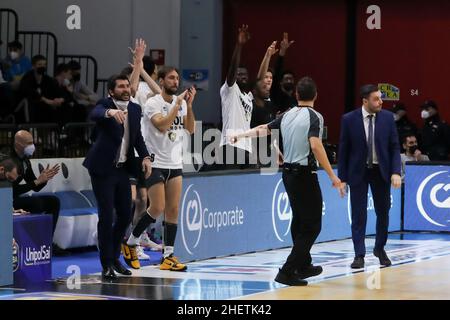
x=21, y=153
x=41, y=91
x=8, y=169
x=412, y=152
x=6, y=93
x=70, y=110
x=17, y=64
x=82, y=94
x=8, y=172
x=404, y=125
x=435, y=133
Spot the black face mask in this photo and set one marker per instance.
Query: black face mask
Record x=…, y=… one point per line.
x=76, y=77
x=289, y=86
x=41, y=70
x=412, y=149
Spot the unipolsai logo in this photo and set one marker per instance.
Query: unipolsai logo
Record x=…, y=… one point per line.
x=34, y=257
x=433, y=198
x=191, y=219
x=281, y=212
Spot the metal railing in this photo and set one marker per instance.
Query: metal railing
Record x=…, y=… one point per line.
x=40, y=42
x=102, y=88
x=75, y=139
x=9, y=24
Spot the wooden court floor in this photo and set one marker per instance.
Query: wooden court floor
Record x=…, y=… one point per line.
x=424, y=280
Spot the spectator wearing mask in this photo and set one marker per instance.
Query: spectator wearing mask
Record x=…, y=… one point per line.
x=435, y=133
x=82, y=94
x=412, y=152
x=21, y=154
x=70, y=110
x=404, y=125
x=41, y=91
x=17, y=63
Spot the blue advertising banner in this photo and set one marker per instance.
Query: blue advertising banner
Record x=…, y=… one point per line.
x=32, y=248
x=6, y=274
x=427, y=198
x=232, y=214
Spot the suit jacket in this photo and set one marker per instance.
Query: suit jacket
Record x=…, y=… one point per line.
x=353, y=149
x=104, y=153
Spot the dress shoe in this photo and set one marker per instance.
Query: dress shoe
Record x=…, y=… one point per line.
x=289, y=279
x=382, y=256
x=109, y=274
x=357, y=263
x=309, y=271
x=119, y=268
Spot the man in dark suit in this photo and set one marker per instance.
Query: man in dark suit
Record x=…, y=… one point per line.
x=109, y=162
x=369, y=154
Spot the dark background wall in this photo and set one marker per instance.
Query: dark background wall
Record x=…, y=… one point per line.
x=411, y=51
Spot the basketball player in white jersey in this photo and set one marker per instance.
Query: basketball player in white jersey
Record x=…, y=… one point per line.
x=167, y=120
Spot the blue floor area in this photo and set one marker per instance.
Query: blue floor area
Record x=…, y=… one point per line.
x=89, y=262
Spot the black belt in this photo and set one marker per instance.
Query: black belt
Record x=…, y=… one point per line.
x=296, y=167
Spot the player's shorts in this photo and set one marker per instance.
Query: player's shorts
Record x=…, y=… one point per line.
x=159, y=175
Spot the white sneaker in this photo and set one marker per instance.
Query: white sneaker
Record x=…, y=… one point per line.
x=140, y=253
x=147, y=243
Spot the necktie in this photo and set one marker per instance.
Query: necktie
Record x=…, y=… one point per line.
x=370, y=143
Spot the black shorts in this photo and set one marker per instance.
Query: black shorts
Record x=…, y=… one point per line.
x=159, y=175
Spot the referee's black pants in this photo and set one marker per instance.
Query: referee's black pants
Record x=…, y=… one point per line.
x=303, y=189
x=40, y=204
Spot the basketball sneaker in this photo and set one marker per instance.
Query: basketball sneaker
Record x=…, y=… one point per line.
x=147, y=243
x=130, y=256
x=171, y=263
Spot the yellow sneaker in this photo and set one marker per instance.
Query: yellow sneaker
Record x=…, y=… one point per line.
x=171, y=263
x=130, y=256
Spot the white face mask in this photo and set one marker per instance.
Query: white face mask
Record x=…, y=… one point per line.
x=425, y=114
x=66, y=82
x=122, y=105
x=29, y=150
x=14, y=55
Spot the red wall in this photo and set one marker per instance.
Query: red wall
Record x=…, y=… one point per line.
x=319, y=31
x=411, y=51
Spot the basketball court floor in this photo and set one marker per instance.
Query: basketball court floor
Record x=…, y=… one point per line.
x=420, y=270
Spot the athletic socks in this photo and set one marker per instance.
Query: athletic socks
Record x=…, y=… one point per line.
x=143, y=224
x=170, y=232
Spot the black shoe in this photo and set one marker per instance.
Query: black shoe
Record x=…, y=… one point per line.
x=109, y=274
x=290, y=279
x=119, y=268
x=358, y=263
x=309, y=271
x=382, y=256
x=58, y=252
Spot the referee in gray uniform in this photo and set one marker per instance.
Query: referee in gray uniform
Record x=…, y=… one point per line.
x=301, y=131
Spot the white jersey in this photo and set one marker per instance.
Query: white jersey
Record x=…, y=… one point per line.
x=167, y=147
x=143, y=93
x=236, y=115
